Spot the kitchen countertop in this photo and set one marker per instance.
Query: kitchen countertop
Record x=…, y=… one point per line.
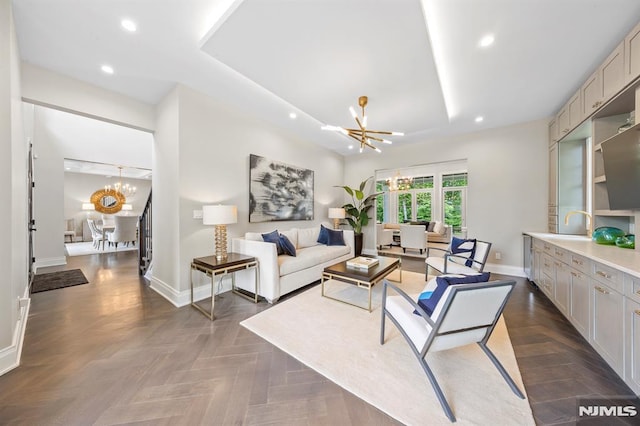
x=625, y=260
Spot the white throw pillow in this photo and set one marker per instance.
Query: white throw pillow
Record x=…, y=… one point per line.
x=253, y=236
x=308, y=237
x=292, y=235
x=439, y=228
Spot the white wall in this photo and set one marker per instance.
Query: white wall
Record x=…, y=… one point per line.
x=507, y=192
x=13, y=175
x=214, y=142
x=48, y=88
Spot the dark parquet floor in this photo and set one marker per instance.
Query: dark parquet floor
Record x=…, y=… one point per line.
x=115, y=352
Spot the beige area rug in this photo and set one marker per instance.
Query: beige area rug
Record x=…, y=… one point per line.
x=81, y=249
x=341, y=342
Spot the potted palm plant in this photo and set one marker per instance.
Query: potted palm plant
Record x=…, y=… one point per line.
x=357, y=211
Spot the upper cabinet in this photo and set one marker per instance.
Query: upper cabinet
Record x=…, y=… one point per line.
x=632, y=54
x=591, y=94
x=612, y=78
x=574, y=107
x=553, y=132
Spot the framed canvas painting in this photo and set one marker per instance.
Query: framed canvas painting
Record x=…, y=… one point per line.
x=279, y=191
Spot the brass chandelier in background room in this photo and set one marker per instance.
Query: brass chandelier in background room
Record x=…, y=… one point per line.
x=364, y=136
x=399, y=183
x=123, y=189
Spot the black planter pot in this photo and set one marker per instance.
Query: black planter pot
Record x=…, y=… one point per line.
x=358, y=243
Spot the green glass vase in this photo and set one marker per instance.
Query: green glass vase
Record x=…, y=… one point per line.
x=607, y=235
x=627, y=241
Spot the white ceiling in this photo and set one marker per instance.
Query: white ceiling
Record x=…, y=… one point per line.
x=424, y=76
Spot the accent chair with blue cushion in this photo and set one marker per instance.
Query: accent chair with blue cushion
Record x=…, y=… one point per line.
x=466, y=312
x=463, y=256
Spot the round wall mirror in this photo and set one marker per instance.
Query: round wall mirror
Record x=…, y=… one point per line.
x=108, y=201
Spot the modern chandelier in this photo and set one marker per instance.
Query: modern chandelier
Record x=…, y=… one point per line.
x=363, y=135
x=124, y=189
x=399, y=183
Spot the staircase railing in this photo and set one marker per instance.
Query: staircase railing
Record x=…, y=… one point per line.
x=144, y=243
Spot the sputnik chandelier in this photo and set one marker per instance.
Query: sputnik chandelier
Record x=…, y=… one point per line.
x=363, y=135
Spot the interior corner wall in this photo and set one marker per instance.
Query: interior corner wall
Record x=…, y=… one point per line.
x=13, y=162
x=507, y=191
x=214, y=144
x=48, y=88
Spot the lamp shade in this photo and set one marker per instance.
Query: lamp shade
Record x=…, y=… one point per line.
x=127, y=206
x=88, y=206
x=219, y=215
x=336, y=213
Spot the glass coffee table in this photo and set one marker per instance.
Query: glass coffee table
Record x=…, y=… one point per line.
x=363, y=278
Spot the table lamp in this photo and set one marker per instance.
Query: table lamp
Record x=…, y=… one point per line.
x=220, y=216
x=336, y=213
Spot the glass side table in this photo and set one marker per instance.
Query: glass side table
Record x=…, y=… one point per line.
x=213, y=267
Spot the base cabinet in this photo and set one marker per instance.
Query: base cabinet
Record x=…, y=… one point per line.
x=632, y=337
x=561, y=289
x=600, y=300
x=579, y=308
x=607, y=326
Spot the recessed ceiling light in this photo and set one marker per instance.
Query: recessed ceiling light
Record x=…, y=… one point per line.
x=129, y=25
x=487, y=40
x=107, y=69
x=293, y=115
x=479, y=119
x=67, y=168
x=350, y=146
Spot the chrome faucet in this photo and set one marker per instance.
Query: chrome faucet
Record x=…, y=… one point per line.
x=566, y=220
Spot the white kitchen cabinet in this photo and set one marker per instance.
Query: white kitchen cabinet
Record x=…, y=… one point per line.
x=632, y=339
x=579, y=308
x=591, y=94
x=553, y=132
x=575, y=110
x=563, y=122
x=612, y=78
x=632, y=54
x=561, y=288
x=607, y=326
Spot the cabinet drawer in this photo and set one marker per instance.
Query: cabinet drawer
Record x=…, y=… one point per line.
x=547, y=248
x=552, y=210
x=580, y=263
x=553, y=219
x=561, y=255
x=632, y=287
x=547, y=265
x=538, y=244
x=607, y=275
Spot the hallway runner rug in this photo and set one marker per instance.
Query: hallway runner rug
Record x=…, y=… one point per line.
x=56, y=280
x=341, y=342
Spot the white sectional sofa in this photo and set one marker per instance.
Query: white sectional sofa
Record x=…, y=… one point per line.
x=283, y=274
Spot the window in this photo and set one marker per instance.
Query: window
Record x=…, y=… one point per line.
x=454, y=194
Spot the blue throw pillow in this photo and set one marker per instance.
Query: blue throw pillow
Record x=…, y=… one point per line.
x=287, y=246
x=323, y=237
x=428, y=300
x=336, y=238
x=274, y=237
x=464, y=248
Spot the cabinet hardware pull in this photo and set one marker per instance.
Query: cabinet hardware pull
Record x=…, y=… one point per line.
x=574, y=274
x=603, y=274
x=638, y=292
x=637, y=312
x=602, y=290
x=577, y=262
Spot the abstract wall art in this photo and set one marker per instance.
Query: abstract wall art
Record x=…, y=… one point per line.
x=278, y=191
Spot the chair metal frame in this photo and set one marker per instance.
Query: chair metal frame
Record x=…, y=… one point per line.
x=421, y=353
x=461, y=260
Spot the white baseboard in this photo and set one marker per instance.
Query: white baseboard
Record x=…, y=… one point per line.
x=183, y=298
x=10, y=356
x=49, y=261
x=512, y=270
